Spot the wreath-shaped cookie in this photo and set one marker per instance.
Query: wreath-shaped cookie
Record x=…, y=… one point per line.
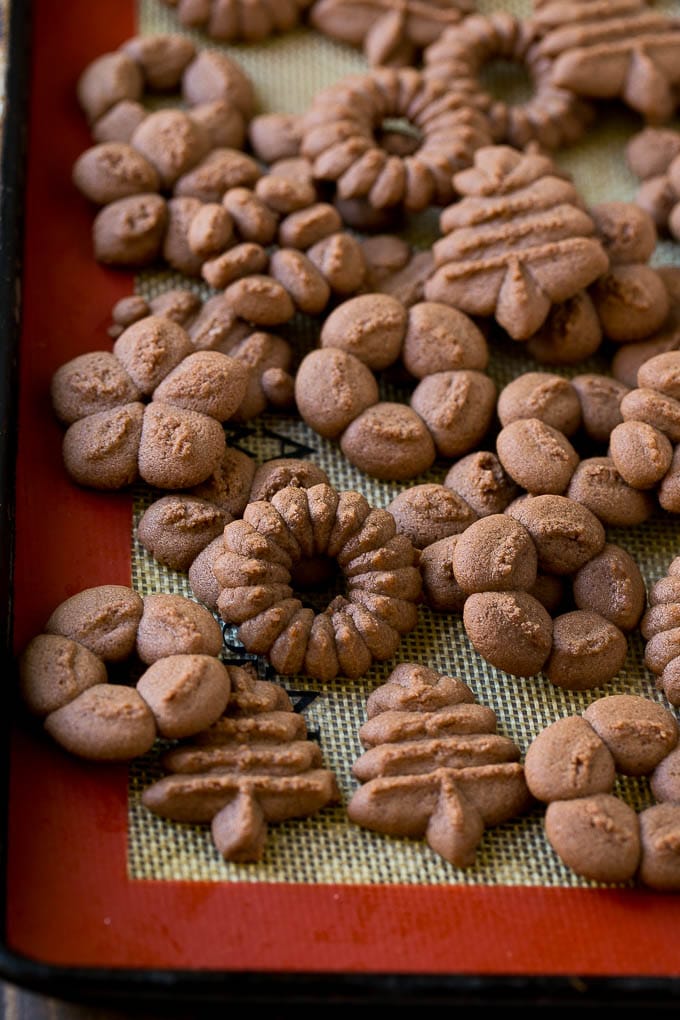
x=552, y=116
x=212, y=325
x=652, y=155
x=645, y=447
x=450, y=409
x=660, y=628
x=218, y=95
x=438, y=130
x=170, y=639
x=304, y=538
x=497, y=571
x=152, y=408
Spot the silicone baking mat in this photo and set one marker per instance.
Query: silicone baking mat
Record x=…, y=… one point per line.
x=93, y=879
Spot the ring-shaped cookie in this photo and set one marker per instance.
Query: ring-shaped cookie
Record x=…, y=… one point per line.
x=552, y=116
x=452, y=404
x=293, y=540
x=530, y=628
x=153, y=408
x=430, y=129
x=218, y=95
x=63, y=677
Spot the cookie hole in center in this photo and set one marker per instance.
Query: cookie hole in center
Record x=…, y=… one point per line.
x=317, y=580
x=507, y=81
x=398, y=136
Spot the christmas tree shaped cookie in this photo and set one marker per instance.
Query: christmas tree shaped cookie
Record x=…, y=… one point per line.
x=612, y=49
x=434, y=766
x=253, y=766
x=517, y=242
x=391, y=34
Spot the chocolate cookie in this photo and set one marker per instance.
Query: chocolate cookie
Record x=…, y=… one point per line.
x=64, y=679
x=392, y=34
x=176, y=439
x=252, y=766
x=432, y=756
x=452, y=405
x=516, y=243
x=341, y=138
x=237, y=20
x=552, y=116
x=660, y=628
x=303, y=536
x=594, y=53
x=572, y=765
x=511, y=630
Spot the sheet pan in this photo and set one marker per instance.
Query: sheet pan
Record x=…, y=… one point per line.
x=77, y=922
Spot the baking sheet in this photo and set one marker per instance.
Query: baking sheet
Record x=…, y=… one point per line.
x=92, y=881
